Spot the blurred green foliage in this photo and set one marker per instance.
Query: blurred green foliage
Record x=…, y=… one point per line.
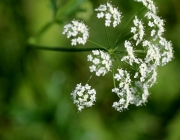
x=35, y=85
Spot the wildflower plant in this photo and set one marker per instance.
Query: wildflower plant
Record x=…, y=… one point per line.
x=143, y=52
x=133, y=61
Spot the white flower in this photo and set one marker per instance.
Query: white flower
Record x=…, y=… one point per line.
x=123, y=91
x=156, y=23
x=138, y=30
x=150, y=24
x=167, y=51
x=130, y=58
x=101, y=62
x=100, y=15
x=143, y=71
x=83, y=96
x=153, y=53
x=109, y=12
x=140, y=93
x=153, y=32
x=149, y=4
x=77, y=31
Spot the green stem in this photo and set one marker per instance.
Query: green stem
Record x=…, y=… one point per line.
x=114, y=79
x=89, y=78
x=62, y=49
x=44, y=28
x=98, y=45
x=139, y=51
x=107, y=37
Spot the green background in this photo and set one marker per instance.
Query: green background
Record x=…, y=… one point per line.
x=35, y=85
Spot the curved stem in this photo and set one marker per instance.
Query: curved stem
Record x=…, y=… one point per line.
x=44, y=28
x=62, y=49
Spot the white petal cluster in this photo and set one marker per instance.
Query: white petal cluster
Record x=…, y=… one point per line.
x=83, y=96
x=123, y=90
x=167, y=51
x=156, y=23
x=153, y=53
x=101, y=62
x=149, y=4
x=138, y=30
x=140, y=93
x=77, y=31
x=157, y=52
x=130, y=58
x=109, y=13
x=147, y=74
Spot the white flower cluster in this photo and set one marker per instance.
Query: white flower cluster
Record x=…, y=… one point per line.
x=109, y=12
x=83, y=96
x=130, y=57
x=132, y=92
x=101, y=62
x=78, y=31
x=157, y=50
x=149, y=4
x=123, y=91
x=147, y=40
x=138, y=30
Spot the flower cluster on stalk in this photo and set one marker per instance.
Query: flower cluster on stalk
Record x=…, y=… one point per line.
x=101, y=62
x=78, y=31
x=83, y=96
x=109, y=12
x=144, y=51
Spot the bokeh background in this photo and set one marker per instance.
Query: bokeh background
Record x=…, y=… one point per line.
x=35, y=85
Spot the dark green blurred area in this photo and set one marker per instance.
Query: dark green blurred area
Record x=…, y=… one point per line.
x=35, y=85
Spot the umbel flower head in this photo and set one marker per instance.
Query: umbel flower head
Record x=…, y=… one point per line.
x=144, y=51
x=83, y=96
x=77, y=31
x=101, y=62
x=109, y=13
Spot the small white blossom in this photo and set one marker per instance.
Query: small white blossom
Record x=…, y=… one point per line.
x=153, y=32
x=101, y=62
x=136, y=75
x=83, y=96
x=109, y=12
x=77, y=31
x=150, y=24
x=100, y=15
x=143, y=71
